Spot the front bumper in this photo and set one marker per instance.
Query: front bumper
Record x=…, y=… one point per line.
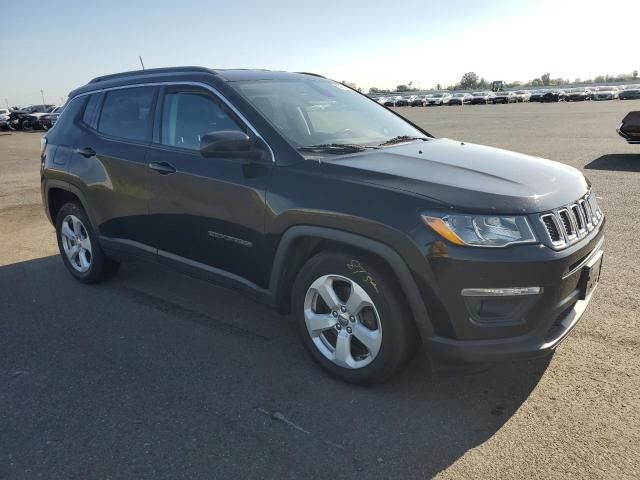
x=525, y=328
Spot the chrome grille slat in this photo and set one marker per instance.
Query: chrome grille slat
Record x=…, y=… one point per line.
x=568, y=224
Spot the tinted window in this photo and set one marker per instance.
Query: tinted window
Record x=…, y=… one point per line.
x=66, y=121
x=126, y=113
x=90, y=110
x=187, y=115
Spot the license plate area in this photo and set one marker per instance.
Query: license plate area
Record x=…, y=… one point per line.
x=590, y=275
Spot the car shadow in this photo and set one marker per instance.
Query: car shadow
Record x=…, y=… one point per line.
x=164, y=375
x=625, y=162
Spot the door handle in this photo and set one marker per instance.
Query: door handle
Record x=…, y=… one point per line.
x=86, y=152
x=163, y=168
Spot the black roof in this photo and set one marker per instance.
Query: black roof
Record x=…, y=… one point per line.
x=182, y=73
x=226, y=74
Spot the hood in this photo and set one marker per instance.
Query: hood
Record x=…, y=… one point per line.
x=469, y=177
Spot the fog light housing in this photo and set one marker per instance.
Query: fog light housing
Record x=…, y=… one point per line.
x=499, y=306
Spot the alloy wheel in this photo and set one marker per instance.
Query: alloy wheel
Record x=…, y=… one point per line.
x=76, y=243
x=342, y=321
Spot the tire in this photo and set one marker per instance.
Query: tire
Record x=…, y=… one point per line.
x=75, y=233
x=381, y=319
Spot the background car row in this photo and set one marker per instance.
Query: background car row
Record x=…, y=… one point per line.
x=32, y=117
x=576, y=94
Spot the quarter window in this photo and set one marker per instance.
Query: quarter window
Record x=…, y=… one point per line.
x=126, y=113
x=90, y=110
x=188, y=115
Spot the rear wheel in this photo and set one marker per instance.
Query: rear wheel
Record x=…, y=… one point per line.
x=351, y=319
x=79, y=247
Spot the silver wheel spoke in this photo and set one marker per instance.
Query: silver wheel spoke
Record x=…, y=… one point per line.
x=66, y=230
x=358, y=299
x=372, y=339
x=86, y=244
x=84, y=261
x=325, y=290
x=73, y=251
x=342, y=355
x=319, y=322
x=77, y=229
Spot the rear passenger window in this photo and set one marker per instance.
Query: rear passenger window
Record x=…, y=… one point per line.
x=188, y=115
x=90, y=110
x=126, y=113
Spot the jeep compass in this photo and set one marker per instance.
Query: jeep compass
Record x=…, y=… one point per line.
x=305, y=194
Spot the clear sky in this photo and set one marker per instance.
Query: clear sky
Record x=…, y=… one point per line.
x=57, y=46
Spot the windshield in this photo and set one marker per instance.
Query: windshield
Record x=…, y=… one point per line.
x=314, y=111
x=459, y=94
x=437, y=95
x=605, y=89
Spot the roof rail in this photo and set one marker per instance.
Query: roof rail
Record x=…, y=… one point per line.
x=151, y=71
x=312, y=74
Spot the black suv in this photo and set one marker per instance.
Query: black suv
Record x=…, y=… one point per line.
x=319, y=201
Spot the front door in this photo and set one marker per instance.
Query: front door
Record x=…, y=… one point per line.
x=206, y=213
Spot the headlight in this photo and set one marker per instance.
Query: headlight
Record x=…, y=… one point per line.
x=482, y=230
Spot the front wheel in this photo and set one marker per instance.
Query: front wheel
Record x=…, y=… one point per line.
x=79, y=247
x=351, y=318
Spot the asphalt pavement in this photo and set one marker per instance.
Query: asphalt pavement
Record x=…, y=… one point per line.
x=156, y=375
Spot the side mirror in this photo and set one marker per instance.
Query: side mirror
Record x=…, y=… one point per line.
x=231, y=144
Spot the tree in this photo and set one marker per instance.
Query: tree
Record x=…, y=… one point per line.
x=635, y=74
x=600, y=79
x=546, y=79
x=469, y=80
x=439, y=87
x=402, y=88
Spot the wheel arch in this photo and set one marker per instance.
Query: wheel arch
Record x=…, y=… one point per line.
x=58, y=193
x=301, y=242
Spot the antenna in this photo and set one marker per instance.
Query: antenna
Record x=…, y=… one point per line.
x=141, y=62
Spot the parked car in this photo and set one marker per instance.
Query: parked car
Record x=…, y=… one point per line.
x=606, y=93
x=632, y=92
x=629, y=128
x=476, y=253
x=389, y=102
x=481, y=98
x=39, y=120
x=4, y=122
x=5, y=111
x=48, y=120
x=401, y=101
x=522, y=95
x=438, y=98
x=551, y=96
x=418, y=101
x=460, y=98
x=18, y=117
x=504, y=97
x=578, y=94
x=536, y=95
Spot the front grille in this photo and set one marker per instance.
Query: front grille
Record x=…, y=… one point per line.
x=566, y=225
x=552, y=228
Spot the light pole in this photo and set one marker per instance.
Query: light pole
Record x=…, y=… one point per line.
x=141, y=62
x=42, y=94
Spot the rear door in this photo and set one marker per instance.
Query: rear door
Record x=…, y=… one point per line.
x=110, y=161
x=206, y=212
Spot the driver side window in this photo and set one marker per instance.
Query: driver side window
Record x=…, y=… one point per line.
x=188, y=115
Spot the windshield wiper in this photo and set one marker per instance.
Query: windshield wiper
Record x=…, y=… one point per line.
x=337, y=148
x=401, y=139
